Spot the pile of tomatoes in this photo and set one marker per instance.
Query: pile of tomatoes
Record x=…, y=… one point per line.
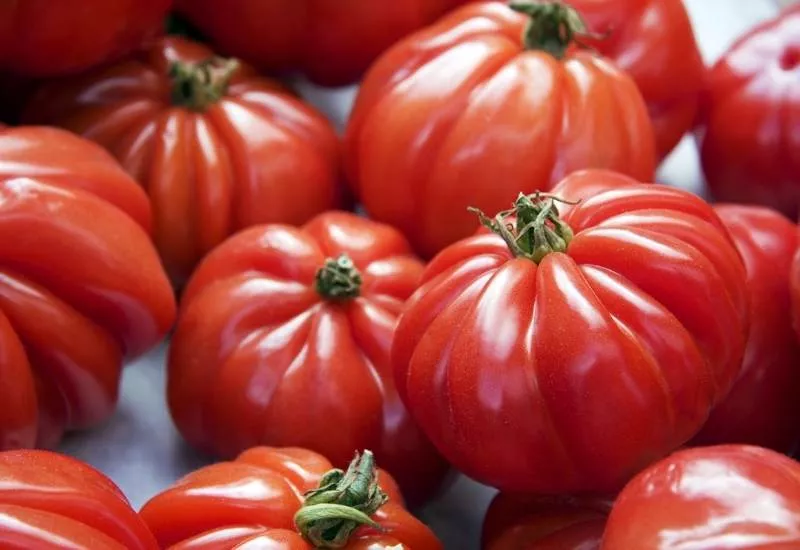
x=519, y=303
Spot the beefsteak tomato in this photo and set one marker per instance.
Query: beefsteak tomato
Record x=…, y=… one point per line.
x=44, y=38
x=81, y=286
x=540, y=523
x=50, y=501
x=576, y=347
x=331, y=41
x=286, y=504
x=749, y=146
x=763, y=406
x=216, y=147
x=284, y=339
x=709, y=498
x=466, y=112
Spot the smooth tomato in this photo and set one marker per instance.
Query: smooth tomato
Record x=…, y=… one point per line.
x=331, y=41
x=467, y=113
x=253, y=502
x=710, y=498
x=763, y=407
x=45, y=38
x=572, y=374
x=81, y=286
x=748, y=143
x=52, y=501
x=217, y=147
x=282, y=341
x=541, y=523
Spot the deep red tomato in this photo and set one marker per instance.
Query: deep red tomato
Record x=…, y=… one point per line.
x=81, y=286
x=46, y=38
x=596, y=345
x=284, y=339
x=216, y=147
x=749, y=143
x=52, y=501
x=794, y=288
x=542, y=523
x=332, y=41
x=257, y=501
x=710, y=498
x=763, y=408
x=467, y=113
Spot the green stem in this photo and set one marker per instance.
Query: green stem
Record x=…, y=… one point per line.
x=197, y=86
x=553, y=26
x=338, y=279
x=343, y=502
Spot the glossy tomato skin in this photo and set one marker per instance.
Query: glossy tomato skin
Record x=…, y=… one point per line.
x=50, y=501
x=331, y=41
x=256, y=497
x=516, y=522
x=44, y=39
x=75, y=252
x=258, y=155
x=510, y=367
x=460, y=115
x=749, y=149
x=260, y=357
x=710, y=498
x=762, y=408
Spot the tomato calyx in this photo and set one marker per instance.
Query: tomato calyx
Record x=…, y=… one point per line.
x=343, y=502
x=553, y=26
x=197, y=86
x=533, y=228
x=338, y=279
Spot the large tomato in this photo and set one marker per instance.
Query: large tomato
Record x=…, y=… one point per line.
x=748, y=143
x=49, y=501
x=794, y=287
x=81, y=286
x=541, y=523
x=46, y=38
x=710, y=498
x=763, y=407
x=216, y=147
x=284, y=339
x=466, y=113
x=332, y=41
x=288, y=492
x=575, y=349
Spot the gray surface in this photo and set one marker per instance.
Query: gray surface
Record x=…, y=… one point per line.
x=141, y=450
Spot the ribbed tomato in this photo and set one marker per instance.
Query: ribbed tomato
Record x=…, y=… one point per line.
x=217, y=147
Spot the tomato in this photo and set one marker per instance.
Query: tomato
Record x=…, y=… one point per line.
x=748, y=143
x=332, y=41
x=763, y=408
x=216, y=147
x=597, y=345
x=794, y=288
x=709, y=498
x=284, y=339
x=257, y=501
x=46, y=38
x=81, y=286
x=465, y=113
x=50, y=501
x=541, y=523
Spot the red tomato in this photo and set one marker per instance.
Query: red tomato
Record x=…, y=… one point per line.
x=542, y=523
x=257, y=501
x=216, y=147
x=794, y=288
x=749, y=144
x=75, y=252
x=332, y=41
x=46, y=38
x=464, y=113
x=282, y=341
x=599, y=344
x=51, y=501
x=763, y=408
x=710, y=498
